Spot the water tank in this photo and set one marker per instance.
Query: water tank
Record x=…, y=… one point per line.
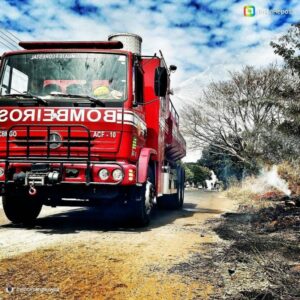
x=131, y=42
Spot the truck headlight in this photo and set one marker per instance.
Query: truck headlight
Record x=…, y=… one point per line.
x=1, y=172
x=117, y=174
x=103, y=174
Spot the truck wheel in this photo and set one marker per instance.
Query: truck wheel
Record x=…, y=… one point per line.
x=21, y=209
x=181, y=179
x=142, y=201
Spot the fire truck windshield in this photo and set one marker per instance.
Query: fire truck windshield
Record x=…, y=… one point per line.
x=97, y=75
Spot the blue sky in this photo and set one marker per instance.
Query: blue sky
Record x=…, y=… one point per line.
x=204, y=39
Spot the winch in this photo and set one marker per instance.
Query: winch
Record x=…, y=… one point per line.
x=37, y=178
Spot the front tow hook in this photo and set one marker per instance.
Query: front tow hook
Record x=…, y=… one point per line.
x=32, y=190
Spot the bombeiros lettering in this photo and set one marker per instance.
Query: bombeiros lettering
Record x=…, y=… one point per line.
x=110, y=116
x=58, y=115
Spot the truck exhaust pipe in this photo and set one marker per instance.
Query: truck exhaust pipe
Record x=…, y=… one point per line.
x=131, y=42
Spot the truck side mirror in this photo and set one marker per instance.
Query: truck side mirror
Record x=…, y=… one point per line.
x=173, y=68
x=161, y=81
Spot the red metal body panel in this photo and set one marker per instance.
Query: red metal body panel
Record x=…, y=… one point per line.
x=155, y=116
x=162, y=121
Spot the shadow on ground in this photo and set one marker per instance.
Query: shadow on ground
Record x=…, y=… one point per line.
x=106, y=219
x=113, y=218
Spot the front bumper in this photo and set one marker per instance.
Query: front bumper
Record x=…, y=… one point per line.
x=49, y=173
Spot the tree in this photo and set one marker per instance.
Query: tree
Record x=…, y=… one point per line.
x=288, y=47
x=239, y=117
x=189, y=175
x=201, y=174
x=196, y=173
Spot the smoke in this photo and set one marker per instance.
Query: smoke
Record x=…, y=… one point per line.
x=211, y=183
x=268, y=179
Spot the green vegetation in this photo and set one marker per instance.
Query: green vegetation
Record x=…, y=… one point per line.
x=196, y=174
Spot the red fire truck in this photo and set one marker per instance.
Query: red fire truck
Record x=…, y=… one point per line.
x=84, y=123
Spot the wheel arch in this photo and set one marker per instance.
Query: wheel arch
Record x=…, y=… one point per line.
x=145, y=160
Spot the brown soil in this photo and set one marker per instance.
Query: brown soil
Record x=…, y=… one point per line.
x=94, y=271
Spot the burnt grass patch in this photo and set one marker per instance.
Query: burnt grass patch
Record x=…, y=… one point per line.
x=257, y=258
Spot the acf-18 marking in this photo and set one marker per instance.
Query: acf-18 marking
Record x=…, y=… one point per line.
x=104, y=134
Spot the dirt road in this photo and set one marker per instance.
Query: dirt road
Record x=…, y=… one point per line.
x=80, y=253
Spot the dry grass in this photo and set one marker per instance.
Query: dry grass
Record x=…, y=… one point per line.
x=244, y=195
x=254, y=193
x=290, y=171
x=239, y=193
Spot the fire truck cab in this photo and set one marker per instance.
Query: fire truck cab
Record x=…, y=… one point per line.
x=86, y=123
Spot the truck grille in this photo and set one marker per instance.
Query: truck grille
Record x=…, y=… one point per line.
x=50, y=142
x=41, y=141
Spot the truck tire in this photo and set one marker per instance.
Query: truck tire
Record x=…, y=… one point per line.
x=174, y=201
x=181, y=173
x=142, y=201
x=22, y=209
